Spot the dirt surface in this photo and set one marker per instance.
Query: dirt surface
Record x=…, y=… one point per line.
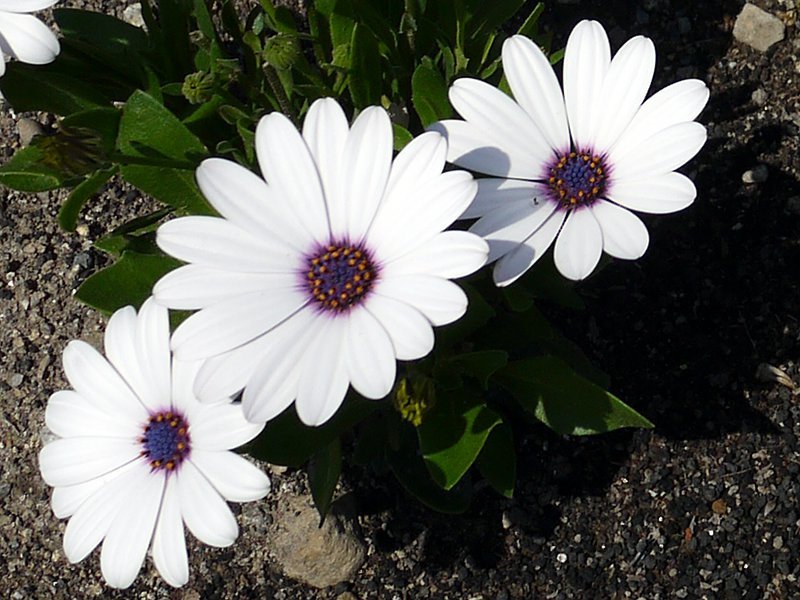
x=704, y=506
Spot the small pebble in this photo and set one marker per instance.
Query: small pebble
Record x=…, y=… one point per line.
x=759, y=97
x=28, y=129
x=719, y=507
x=757, y=174
x=561, y=557
x=15, y=380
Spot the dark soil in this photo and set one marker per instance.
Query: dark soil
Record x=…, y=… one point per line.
x=703, y=506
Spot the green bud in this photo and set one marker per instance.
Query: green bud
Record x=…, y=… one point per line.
x=73, y=151
x=281, y=51
x=198, y=87
x=413, y=404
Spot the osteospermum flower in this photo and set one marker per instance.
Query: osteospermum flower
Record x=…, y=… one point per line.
x=23, y=36
x=567, y=167
x=327, y=272
x=138, y=456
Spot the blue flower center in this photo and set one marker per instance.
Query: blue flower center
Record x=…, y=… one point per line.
x=577, y=179
x=166, y=440
x=340, y=276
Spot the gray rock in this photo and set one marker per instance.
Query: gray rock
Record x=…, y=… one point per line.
x=758, y=28
x=317, y=556
x=757, y=174
x=759, y=97
x=28, y=129
x=133, y=15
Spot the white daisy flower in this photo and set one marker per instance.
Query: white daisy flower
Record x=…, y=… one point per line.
x=327, y=272
x=567, y=167
x=23, y=36
x=138, y=456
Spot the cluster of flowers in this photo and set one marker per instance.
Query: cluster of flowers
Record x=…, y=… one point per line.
x=336, y=262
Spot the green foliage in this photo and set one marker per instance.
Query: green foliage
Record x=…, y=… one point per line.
x=323, y=475
x=563, y=400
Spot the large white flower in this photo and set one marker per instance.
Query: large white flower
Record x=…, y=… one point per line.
x=138, y=456
x=23, y=36
x=327, y=272
x=568, y=166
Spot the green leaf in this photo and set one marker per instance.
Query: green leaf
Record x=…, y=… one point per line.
x=68, y=215
x=130, y=280
x=497, y=462
x=287, y=441
x=410, y=471
x=148, y=131
x=104, y=121
x=101, y=30
x=137, y=235
x=45, y=88
x=479, y=312
x=563, y=400
x=429, y=94
x=365, y=68
x=452, y=435
x=402, y=137
x=27, y=172
x=479, y=365
x=323, y=475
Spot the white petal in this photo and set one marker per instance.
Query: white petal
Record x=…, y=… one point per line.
x=625, y=86
x=221, y=426
x=203, y=509
x=494, y=193
x=69, y=461
x=440, y=300
x=365, y=170
x=586, y=61
x=245, y=199
x=579, y=245
x=661, y=194
x=120, y=347
x=325, y=130
x=195, y=286
x=235, y=478
x=420, y=161
x=227, y=374
x=289, y=168
x=431, y=209
x=677, y=103
x=535, y=87
x=274, y=382
x=184, y=374
x=663, y=152
x=93, y=518
x=624, y=234
x=514, y=264
x=411, y=333
x=487, y=152
x=27, y=39
x=68, y=414
x=66, y=499
x=369, y=355
x=96, y=380
x=129, y=535
x=324, y=382
x=450, y=254
x=232, y=322
x=169, y=543
x=152, y=337
x=217, y=243
x=510, y=224
x=25, y=6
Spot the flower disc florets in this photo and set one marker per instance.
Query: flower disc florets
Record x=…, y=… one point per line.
x=340, y=276
x=166, y=441
x=577, y=179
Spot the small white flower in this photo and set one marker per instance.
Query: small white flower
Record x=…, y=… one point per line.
x=568, y=165
x=23, y=36
x=326, y=273
x=138, y=456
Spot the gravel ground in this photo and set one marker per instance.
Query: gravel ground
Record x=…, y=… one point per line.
x=704, y=506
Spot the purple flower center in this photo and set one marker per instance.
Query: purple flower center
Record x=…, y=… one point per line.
x=577, y=179
x=166, y=442
x=340, y=276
